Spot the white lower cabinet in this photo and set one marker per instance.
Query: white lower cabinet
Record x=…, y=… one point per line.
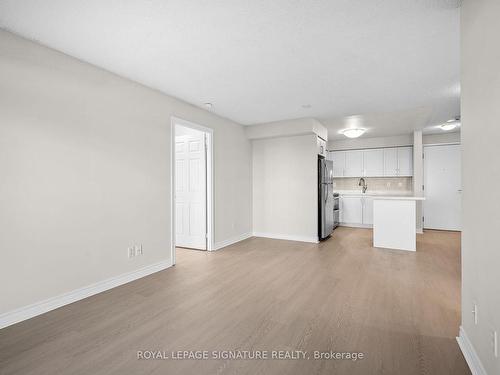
x=356, y=211
x=351, y=210
x=367, y=203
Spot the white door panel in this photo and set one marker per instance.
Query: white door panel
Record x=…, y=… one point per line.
x=190, y=194
x=179, y=218
x=442, y=187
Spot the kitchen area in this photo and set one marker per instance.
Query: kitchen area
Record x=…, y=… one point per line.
x=305, y=183
x=378, y=188
x=360, y=175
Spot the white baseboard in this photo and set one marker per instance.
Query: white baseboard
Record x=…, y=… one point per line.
x=219, y=245
x=30, y=311
x=475, y=365
x=288, y=237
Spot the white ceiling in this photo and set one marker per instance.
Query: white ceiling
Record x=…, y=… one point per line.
x=394, y=62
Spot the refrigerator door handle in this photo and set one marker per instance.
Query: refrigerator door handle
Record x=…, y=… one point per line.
x=326, y=180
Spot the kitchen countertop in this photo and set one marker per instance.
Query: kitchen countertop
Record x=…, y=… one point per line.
x=375, y=193
x=400, y=198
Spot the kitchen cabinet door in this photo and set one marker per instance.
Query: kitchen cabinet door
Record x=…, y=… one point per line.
x=373, y=163
x=405, y=161
x=353, y=163
x=338, y=158
x=367, y=210
x=351, y=210
x=390, y=161
x=321, y=144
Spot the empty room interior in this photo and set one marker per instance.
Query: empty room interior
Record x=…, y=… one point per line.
x=249, y=187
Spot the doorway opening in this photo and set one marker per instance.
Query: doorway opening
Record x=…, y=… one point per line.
x=192, y=186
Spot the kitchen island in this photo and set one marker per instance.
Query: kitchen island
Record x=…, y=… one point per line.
x=394, y=222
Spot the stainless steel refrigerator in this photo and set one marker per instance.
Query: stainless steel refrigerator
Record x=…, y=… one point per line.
x=325, y=198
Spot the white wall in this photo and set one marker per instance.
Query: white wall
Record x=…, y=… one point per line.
x=85, y=163
x=480, y=110
x=285, y=187
x=374, y=142
x=418, y=176
x=429, y=139
x=392, y=141
x=300, y=126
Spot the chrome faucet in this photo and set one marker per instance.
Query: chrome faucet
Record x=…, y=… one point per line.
x=362, y=183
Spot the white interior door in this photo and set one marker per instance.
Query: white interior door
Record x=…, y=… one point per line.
x=442, y=187
x=190, y=191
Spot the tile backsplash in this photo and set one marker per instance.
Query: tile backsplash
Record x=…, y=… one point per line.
x=375, y=183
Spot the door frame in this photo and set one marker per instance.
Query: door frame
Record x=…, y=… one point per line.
x=209, y=181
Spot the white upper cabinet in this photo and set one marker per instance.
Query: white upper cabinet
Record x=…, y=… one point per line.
x=321, y=145
x=398, y=161
x=338, y=158
x=405, y=161
x=378, y=162
x=373, y=165
x=353, y=163
x=390, y=161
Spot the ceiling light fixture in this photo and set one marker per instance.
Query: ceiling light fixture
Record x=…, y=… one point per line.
x=353, y=132
x=450, y=124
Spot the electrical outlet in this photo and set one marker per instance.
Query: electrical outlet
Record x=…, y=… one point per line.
x=474, y=313
x=495, y=343
x=138, y=250
x=131, y=252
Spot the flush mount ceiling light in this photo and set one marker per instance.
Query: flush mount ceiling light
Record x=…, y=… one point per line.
x=353, y=132
x=450, y=124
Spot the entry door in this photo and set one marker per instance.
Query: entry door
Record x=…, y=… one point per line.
x=190, y=191
x=442, y=187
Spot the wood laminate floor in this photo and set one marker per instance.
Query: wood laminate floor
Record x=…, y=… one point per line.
x=401, y=309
